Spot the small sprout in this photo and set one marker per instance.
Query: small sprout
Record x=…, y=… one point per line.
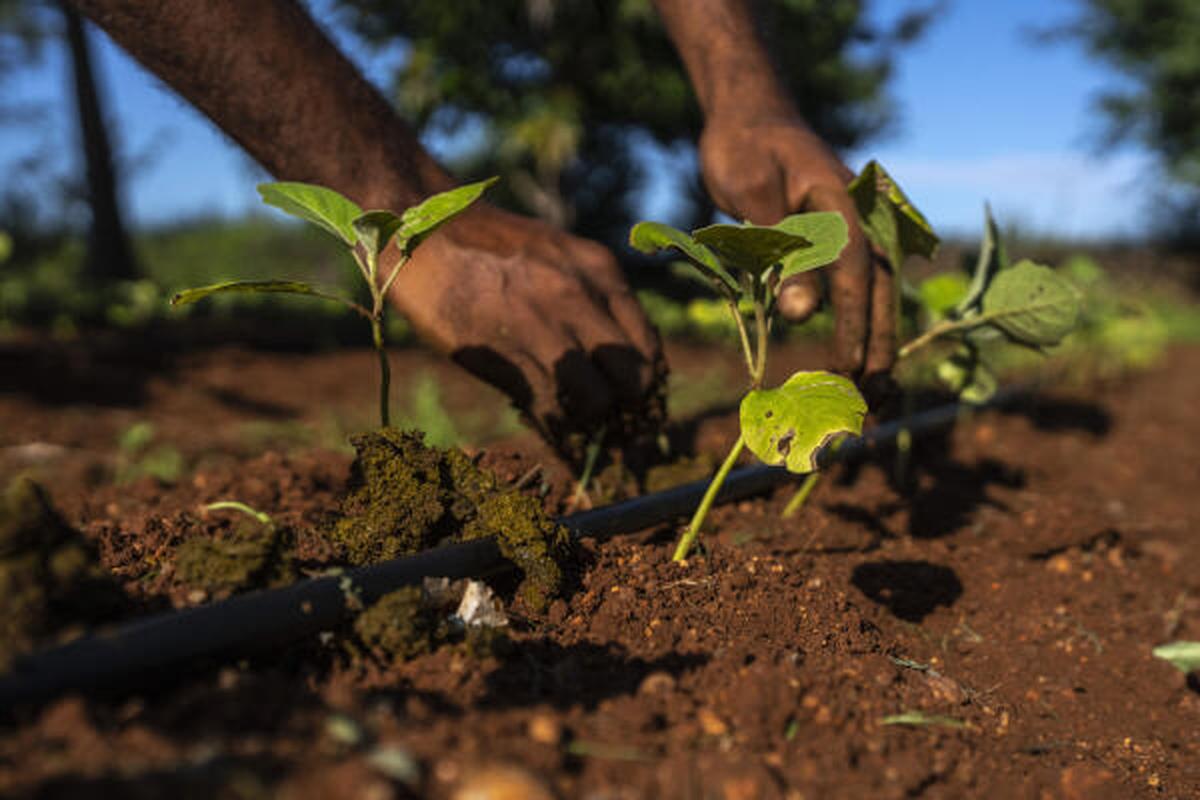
x=744, y=265
x=261, y=517
x=367, y=234
x=921, y=719
x=1184, y=656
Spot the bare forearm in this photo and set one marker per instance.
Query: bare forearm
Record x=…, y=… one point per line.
x=269, y=78
x=725, y=57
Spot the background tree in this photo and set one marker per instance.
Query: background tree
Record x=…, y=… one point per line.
x=562, y=96
x=1156, y=45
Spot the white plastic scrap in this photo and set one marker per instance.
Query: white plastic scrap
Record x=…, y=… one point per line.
x=480, y=606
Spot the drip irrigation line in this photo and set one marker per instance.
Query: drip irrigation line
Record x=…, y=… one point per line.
x=118, y=658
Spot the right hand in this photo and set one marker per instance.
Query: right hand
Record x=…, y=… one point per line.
x=545, y=316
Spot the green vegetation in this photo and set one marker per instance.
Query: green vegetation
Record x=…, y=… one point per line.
x=744, y=265
x=1184, y=656
x=138, y=456
x=367, y=235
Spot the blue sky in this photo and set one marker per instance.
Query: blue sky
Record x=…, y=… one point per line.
x=985, y=114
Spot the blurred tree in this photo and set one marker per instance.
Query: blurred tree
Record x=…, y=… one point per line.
x=1156, y=43
x=109, y=256
x=560, y=96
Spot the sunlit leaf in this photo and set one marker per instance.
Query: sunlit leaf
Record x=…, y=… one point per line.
x=316, y=204
x=653, y=237
x=421, y=220
x=189, y=296
x=826, y=230
x=890, y=221
x=993, y=257
x=1032, y=304
x=942, y=293
x=790, y=424
x=375, y=229
x=750, y=248
x=1184, y=656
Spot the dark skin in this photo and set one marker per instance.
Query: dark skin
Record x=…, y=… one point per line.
x=543, y=315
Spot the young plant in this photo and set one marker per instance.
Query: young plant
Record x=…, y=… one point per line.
x=744, y=264
x=367, y=234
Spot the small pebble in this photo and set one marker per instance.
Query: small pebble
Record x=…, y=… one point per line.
x=505, y=782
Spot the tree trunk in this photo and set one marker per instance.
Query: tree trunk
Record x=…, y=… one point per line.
x=109, y=256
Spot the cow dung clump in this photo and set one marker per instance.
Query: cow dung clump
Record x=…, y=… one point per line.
x=404, y=497
x=50, y=575
x=253, y=556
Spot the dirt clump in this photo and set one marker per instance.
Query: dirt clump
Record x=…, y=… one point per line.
x=405, y=497
x=253, y=556
x=415, y=620
x=50, y=576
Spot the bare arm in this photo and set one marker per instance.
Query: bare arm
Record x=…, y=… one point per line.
x=762, y=162
x=543, y=315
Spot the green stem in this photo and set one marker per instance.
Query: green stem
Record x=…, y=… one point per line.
x=589, y=465
x=760, y=323
x=385, y=371
x=801, y=496
x=743, y=334
x=234, y=505
x=710, y=496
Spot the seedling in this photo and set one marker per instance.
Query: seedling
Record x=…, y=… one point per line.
x=745, y=265
x=1024, y=304
x=1184, y=656
x=367, y=235
x=261, y=517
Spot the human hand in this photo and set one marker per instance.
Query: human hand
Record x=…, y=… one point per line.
x=768, y=168
x=545, y=316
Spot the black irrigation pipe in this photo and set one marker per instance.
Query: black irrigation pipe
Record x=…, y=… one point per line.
x=119, y=657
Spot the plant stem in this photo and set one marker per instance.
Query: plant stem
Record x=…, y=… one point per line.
x=385, y=371
x=743, y=334
x=710, y=495
x=801, y=496
x=758, y=373
x=589, y=466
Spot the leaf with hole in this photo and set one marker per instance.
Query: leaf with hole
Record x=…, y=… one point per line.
x=826, y=230
x=189, y=296
x=790, y=424
x=653, y=237
x=1184, y=656
x=889, y=219
x=750, y=248
x=419, y=221
x=316, y=204
x=1032, y=304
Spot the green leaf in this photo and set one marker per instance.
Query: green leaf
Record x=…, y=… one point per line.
x=890, y=221
x=921, y=719
x=316, y=204
x=375, y=229
x=6, y=246
x=942, y=293
x=419, y=221
x=993, y=257
x=652, y=237
x=189, y=296
x=1184, y=656
x=828, y=232
x=790, y=424
x=1032, y=304
x=750, y=248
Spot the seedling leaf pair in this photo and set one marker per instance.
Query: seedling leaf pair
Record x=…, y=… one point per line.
x=890, y=221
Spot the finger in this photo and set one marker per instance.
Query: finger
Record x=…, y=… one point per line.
x=626, y=367
x=881, y=350
x=800, y=296
x=849, y=286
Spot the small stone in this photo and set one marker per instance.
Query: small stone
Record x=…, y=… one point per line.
x=945, y=689
x=504, y=782
x=657, y=683
x=544, y=729
x=396, y=763
x=711, y=724
x=1060, y=564
x=197, y=596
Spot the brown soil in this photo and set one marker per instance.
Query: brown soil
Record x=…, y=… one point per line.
x=1011, y=593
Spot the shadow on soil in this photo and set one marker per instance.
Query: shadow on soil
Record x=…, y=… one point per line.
x=581, y=674
x=911, y=590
